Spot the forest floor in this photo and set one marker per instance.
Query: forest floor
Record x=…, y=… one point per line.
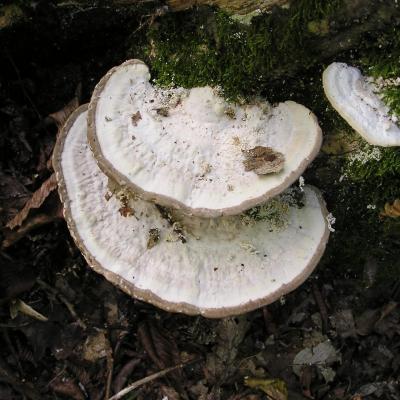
x=67, y=333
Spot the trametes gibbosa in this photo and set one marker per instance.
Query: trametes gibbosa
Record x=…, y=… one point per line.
x=183, y=199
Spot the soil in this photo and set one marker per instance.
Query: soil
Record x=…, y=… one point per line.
x=66, y=333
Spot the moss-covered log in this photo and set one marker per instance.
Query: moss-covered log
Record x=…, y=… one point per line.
x=234, y=6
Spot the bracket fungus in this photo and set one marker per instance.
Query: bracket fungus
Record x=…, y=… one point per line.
x=185, y=148
x=357, y=101
x=214, y=267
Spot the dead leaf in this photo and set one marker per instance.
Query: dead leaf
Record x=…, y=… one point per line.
x=344, y=323
x=274, y=388
x=161, y=350
x=124, y=374
x=96, y=346
x=365, y=323
x=322, y=356
x=68, y=341
x=391, y=210
x=220, y=362
x=67, y=387
x=35, y=201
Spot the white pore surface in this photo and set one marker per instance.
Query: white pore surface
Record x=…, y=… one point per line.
x=223, y=264
x=355, y=100
x=194, y=155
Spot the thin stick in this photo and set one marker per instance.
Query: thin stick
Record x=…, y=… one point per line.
x=149, y=378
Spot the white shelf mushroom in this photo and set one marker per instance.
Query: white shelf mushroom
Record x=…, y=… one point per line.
x=214, y=267
x=192, y=150
x=356, y=100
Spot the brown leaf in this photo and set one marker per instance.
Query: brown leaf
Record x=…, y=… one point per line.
x=67, y=388
x=96, y=346
x=391, y=210
x=124, y=374
x=274, y=388
x=62, y=115
x=35, y=201
x=162, y=351
x=366, y=322
x=221, y=362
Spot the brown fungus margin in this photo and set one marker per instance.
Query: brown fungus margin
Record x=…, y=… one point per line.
x=167, y=201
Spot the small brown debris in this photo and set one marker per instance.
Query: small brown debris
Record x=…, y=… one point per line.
x=136, y=118
x=230, y=112
x=163, y=111
x=263, y=160
x=154, y=237
x=126, y=211
x=236, y=140
x=391, y=210
x=108, y=196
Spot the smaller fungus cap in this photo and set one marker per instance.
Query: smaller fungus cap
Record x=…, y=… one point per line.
x=185, y=148
x=356, y=101
x=214, y=267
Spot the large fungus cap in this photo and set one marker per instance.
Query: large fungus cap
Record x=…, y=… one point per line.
x=356, y=100
x=187, y=149
x=215, y=267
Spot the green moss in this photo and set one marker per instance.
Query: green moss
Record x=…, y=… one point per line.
x=383, y=61
x=208, y=47
x=366, y=180
x=371, y=162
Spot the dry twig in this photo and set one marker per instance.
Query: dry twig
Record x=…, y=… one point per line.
x=148, y=379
